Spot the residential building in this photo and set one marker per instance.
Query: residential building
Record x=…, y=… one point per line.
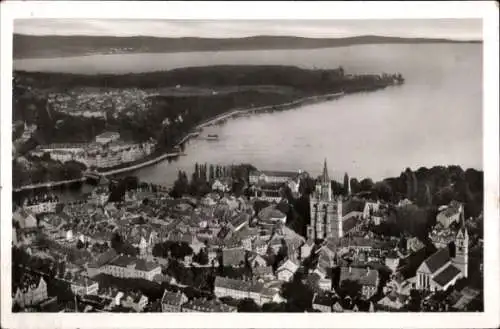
x=267, y=176
x=238, y=289
x=323, y=302
x=269, y=192
x=25, y=218
x=392, y=261
x=45, y=204
x=450, y=214
x=263, y=273
x=272, y=214
x=31, y=292
x=222, y=185
x=286, y=270
x=259, y=245
x=256, y=260
x=366, y=277
x=233, y=257
x=131, y=267
x=239, y=221
x=370, y=208
x=83, y=286
x=393, y=301
x=107, y=137
x=172, y=301
x=205, y=305
x=306, y=248
x=135, y=301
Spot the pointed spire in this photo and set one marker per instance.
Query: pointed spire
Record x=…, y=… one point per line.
x=325, y=177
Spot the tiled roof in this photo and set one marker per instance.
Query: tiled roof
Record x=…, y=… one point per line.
x=240, y=219
x=288, y=265
x=233, y=257
x=262, y=270
x=352, y=205
x=172, y=298
x=107, y=134
x=324, y=300
x=271, y=213
x=145, y=266
x=349, y=224
x=122, y=261
x=361, y=275
x=446, y=275
x=204, y=305
x=438, y=259
x=290, y=174
x=235, y=284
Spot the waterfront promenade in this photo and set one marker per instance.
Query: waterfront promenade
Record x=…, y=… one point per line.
x=49, y=184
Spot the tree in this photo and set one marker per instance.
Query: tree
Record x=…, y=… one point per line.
x=428, y=195
x=273, y=307
x=202, y=257
x=248, y=305
x=410, y=194
x=366, y=184
x=383, y=190
x=298, y=295
x=211, y=172
x=62, y=268
x=350, y=288
x=79, y=244
x=355, y=186
x=414, y=301
x=181, y=185
x=346, y=184
x=180, y=250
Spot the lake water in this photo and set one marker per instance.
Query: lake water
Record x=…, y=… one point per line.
x=435, y=118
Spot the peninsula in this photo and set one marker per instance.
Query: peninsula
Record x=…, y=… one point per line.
x=156, y=112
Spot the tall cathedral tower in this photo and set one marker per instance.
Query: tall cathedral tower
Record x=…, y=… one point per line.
x=326, y=210
x=461, y=259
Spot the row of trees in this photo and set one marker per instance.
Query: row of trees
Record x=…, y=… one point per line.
x=429, y=187
x=204, y=174
x=177, y=250
x=123, y=247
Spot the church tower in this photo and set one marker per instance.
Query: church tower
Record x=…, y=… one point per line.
x=325, y=210
x=461, y=259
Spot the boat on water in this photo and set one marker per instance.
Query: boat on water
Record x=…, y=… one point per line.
x=212, y=137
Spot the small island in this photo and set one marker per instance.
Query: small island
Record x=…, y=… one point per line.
x=58, y=117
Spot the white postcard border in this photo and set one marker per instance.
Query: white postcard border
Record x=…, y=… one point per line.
x=488, y=11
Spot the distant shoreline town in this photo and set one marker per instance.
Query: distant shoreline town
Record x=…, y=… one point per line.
x=50, y=46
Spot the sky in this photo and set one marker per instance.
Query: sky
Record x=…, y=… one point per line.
x=458, y=29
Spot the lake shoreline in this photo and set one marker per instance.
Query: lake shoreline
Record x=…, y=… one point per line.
x=234, y=113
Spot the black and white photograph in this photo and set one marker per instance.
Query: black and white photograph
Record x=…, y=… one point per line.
x=273, y=166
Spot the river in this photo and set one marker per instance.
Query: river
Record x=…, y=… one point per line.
x=435, y=118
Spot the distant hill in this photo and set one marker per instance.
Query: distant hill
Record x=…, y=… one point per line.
x=30, y=46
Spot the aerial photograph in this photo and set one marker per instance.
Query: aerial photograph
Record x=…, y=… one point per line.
x=247, y=165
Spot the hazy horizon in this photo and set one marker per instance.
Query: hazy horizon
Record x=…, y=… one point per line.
x=452, y=29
